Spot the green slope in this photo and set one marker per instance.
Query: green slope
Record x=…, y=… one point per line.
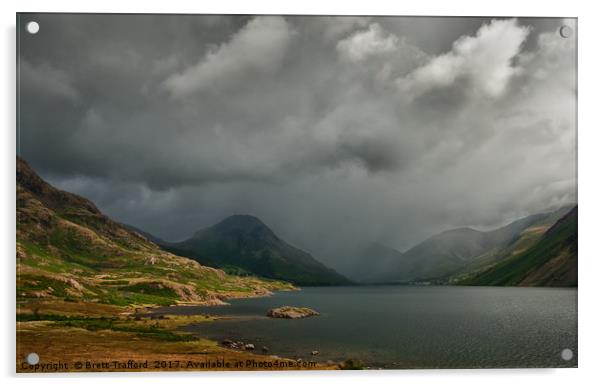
x=550, y=261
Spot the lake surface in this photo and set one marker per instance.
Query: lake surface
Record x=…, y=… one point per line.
x=407, y=327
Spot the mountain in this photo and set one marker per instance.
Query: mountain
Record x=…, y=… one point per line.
x=68, y=250
x=451, y=251
x=551, y=260
x=446, y=257
x=244, y=244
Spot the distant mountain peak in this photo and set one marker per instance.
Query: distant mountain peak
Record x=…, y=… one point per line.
x=455, y=231
x=245, y=242
x=241, y=221
x=241, y=224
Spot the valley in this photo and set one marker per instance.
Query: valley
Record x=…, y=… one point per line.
x=86, y=279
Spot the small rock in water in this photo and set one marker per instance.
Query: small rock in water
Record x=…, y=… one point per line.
x=315, y=352
x=264, y=349
x=288, y=312
x=249, y=346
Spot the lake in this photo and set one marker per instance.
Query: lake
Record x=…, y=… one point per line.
x=407, y=327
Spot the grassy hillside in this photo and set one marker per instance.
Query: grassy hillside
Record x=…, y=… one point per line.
x=549, y=260
x=67, y=249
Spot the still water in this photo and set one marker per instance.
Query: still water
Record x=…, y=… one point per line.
x=408, y=327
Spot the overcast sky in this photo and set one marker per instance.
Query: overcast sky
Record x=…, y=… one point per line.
x=332, y=130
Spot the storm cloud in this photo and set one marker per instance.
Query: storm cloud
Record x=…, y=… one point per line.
x=333, y=130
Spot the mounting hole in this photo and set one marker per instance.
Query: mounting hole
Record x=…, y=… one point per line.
x=567, y=354
x=32, y=27
x=32, y=358
x=566, y=31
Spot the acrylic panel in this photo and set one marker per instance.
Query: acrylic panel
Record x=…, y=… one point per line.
x=264, y=192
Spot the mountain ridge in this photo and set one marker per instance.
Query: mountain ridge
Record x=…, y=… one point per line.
x=445, y=254
x=448, y=251
x=551, y=260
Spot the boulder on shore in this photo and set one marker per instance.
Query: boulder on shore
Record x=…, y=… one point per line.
x=288, y=312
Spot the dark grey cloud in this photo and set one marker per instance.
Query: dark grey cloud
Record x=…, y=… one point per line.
x=334, y=130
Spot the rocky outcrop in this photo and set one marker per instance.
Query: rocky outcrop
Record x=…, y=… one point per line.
x=288, y=312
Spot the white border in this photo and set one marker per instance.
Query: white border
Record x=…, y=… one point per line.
x=590, y=192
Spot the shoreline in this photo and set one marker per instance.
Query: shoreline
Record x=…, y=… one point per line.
x=107, y=338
